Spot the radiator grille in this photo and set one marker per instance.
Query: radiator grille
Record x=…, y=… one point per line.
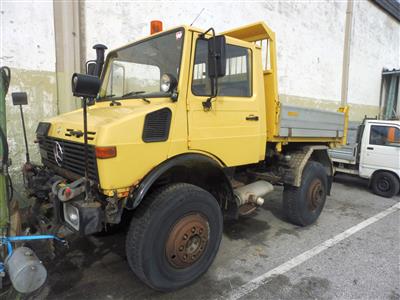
x=72, y=157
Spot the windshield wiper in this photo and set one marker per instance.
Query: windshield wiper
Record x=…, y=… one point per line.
x=133, y=93
x=145, y=100
x=107, y=96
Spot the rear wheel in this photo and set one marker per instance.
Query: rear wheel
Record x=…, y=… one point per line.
x=174, y=236
x=385, y=184
x=304, y=204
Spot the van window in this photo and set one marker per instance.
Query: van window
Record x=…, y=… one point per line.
x=235, y=83
x=384, y=135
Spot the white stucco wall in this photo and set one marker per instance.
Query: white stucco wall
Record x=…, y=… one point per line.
x=310, y=39
x=27, y=33
x=309, y=34
x=28, y=49
x=375, y=45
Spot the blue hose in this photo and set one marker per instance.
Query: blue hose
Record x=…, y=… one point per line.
x=10, y=239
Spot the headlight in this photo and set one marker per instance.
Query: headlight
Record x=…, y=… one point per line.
x=71, y=215
x=168, y=83
x=84, y=217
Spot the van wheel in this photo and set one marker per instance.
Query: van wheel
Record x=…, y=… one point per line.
x=304, y=204
x=385, y=184
x=174, y=236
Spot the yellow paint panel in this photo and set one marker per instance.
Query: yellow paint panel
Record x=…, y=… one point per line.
x=293, y=113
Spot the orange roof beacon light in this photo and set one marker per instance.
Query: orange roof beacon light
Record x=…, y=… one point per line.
x=155, y=26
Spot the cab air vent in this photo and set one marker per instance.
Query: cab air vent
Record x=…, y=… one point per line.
x=156, y=126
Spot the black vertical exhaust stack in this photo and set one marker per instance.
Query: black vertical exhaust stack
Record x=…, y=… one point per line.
x=100, y=49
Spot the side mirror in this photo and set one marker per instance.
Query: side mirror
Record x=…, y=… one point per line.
x=91, y=67
x=85, y=85
x=19, y=98
x=216, y=56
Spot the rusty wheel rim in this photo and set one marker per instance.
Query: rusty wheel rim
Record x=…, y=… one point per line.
x=315, y=194
x=187, y=240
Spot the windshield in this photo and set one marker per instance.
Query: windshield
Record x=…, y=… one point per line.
x=136, y=70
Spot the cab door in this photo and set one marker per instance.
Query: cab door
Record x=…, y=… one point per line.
x=231, y=130
x=381, y=150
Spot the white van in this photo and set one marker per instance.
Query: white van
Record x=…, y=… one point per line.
x=372, y=152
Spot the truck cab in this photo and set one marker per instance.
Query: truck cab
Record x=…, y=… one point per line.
x=373, y=152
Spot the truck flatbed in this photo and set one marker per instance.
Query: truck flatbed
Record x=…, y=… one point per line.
x=307, y=122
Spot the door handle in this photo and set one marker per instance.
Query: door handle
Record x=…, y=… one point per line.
x=370, y=148
x=252, y=118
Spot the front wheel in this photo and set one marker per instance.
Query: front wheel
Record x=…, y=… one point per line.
x=303, y=205
x=174, y=236
x=385, y=184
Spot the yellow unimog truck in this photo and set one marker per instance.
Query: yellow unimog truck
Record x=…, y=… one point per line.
x=185, y=129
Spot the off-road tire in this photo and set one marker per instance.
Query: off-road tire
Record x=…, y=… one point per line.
x=385, y=184
x=151, y=226
x=297, y=201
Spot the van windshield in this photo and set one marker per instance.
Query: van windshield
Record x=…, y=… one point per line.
x=135, y=71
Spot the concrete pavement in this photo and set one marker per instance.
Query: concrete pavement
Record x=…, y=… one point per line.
x=363, y=266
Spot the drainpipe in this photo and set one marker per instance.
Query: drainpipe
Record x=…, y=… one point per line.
x=346, y=52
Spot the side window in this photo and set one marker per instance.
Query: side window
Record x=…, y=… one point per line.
x=384, y=135
x=236, y=82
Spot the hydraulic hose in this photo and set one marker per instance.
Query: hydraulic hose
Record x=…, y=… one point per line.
x=4, y=146
x=5, y=180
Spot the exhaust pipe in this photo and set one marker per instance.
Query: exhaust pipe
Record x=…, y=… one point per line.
x=100, y=49
x=253, y=193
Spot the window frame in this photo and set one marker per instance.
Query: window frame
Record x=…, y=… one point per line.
x=382, y=125
x=106, y=73
x=249, y=72
x=120, y=62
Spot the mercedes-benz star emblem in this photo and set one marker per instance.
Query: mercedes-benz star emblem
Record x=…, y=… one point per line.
x=58, y=153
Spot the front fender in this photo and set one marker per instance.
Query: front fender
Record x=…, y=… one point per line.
x=194, y=168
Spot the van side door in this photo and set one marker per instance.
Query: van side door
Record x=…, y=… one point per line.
x=381, y=149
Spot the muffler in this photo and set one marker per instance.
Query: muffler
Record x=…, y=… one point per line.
x=252, y=193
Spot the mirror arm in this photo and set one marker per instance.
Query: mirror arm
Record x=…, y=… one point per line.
x=214, y=81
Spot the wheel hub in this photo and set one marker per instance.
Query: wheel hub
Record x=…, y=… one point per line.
x=383, y=184
x=187, y=240
x=315, y=195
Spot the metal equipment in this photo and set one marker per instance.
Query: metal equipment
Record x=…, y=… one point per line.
x=21, y=98
x=25, y=270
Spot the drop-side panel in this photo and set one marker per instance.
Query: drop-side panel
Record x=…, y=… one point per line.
x=347, y=153
x=305, y=122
